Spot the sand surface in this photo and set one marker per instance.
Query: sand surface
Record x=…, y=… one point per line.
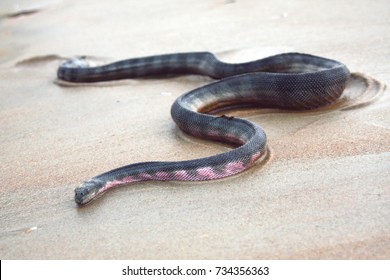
x=324, y=192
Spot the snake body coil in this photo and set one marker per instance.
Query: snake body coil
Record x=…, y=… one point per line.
x=290, y=81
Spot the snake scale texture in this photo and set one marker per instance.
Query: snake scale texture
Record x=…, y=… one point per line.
x=292, y=81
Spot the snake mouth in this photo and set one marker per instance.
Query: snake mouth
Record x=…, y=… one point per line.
x=82, y=196
x=87, y=191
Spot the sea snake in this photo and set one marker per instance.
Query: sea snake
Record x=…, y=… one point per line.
x=290, y=81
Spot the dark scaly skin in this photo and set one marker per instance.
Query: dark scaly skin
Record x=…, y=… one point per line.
x=290, y=81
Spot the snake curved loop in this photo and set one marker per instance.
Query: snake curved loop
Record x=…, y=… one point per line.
x=291, y=81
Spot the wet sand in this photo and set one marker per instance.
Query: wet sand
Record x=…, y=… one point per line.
x=324, y=192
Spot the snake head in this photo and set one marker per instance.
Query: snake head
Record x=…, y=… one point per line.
x=87, y=191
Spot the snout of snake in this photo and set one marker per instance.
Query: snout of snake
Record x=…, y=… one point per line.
x=292, y=81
